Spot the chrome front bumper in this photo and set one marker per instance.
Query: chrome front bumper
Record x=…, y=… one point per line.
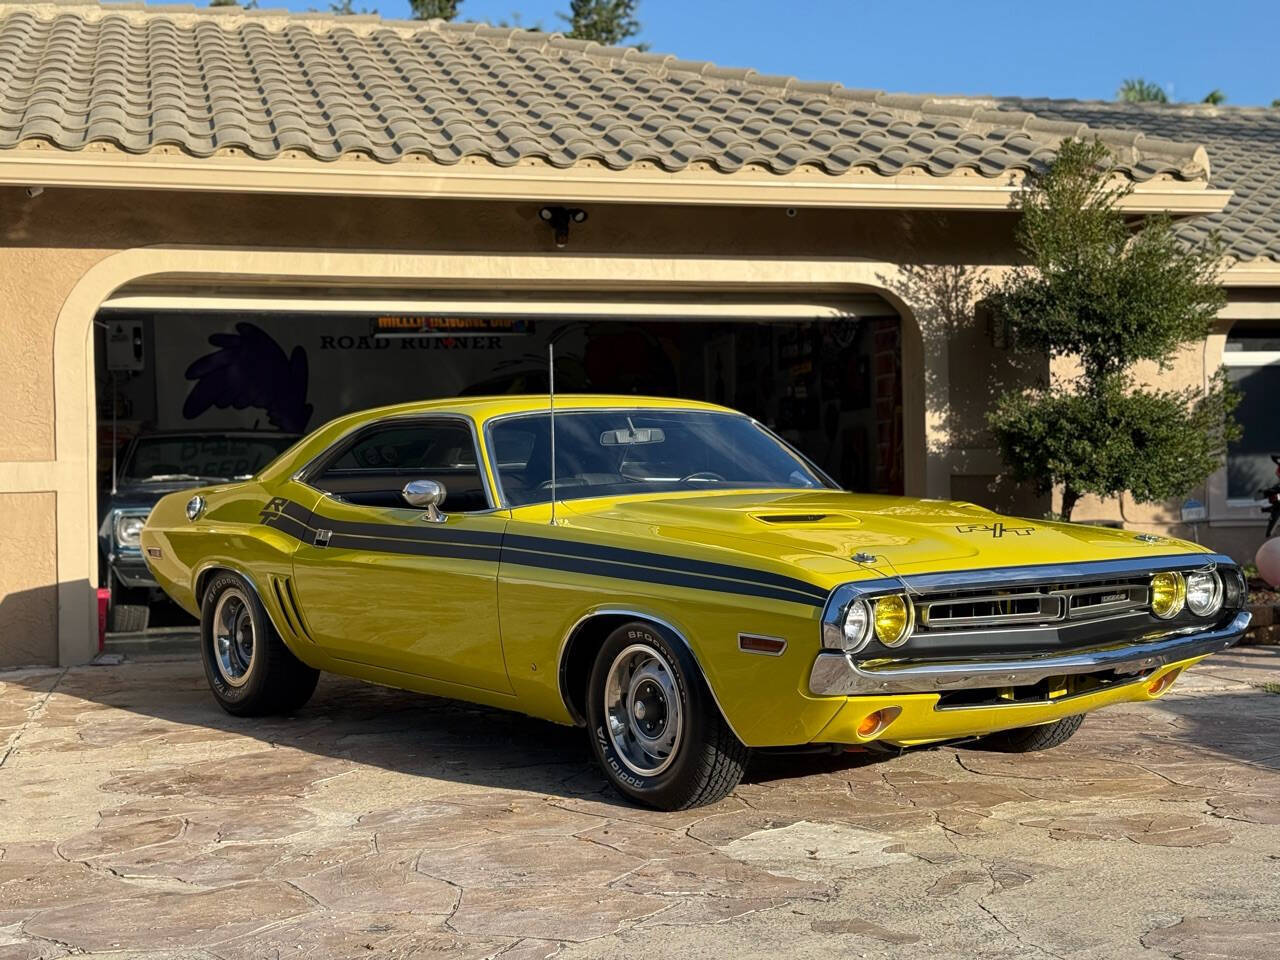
x=835, y=674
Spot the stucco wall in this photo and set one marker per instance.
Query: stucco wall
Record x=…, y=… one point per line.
x=1235, y=531
x=28, y=601
x=33, y=284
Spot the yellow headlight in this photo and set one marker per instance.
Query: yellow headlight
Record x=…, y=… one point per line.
x=1168, y=594
x=893, y=620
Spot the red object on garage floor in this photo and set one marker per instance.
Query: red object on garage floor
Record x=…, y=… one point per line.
x=104, y=602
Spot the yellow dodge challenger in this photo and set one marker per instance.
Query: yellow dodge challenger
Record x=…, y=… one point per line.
x=683, y=583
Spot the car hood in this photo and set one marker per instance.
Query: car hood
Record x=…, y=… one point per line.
x=137, y=496
x=821, y=531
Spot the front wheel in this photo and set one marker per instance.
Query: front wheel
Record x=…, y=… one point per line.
x=250, y=670
x=655, y=728
x=1044, y=736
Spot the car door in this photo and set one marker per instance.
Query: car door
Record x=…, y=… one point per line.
x=382, y=583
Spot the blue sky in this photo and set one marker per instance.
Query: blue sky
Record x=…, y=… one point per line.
x=1077, y=48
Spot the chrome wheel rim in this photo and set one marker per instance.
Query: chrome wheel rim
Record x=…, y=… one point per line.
x=233, y=637
x=642, y=710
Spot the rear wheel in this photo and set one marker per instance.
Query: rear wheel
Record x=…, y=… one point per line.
x=655, y=728
x=250, y=670
x=1045, y=736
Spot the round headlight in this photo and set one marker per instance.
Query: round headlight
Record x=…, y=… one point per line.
x=1204, y=593
x=128, y=530
x=857, y=626
x=893, y=620
x=1168, y=594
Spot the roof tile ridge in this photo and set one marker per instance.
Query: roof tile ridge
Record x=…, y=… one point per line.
x=1192, y=158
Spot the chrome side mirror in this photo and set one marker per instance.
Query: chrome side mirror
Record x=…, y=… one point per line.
x=427, y=495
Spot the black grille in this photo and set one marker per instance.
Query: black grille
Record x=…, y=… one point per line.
x=1030, y=606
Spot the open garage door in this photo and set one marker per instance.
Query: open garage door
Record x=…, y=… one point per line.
x=194, y=386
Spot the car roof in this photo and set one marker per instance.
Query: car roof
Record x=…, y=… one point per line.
x=480, y=410
x=486, y=408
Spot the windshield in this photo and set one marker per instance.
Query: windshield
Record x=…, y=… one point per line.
x=610, y=453
x=202, y=457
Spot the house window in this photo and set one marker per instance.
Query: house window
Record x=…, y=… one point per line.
x=1252, y=359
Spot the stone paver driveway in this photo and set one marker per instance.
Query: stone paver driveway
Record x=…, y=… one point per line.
x=136, y=819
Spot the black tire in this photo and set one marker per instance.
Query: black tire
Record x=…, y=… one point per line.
x=129, y=617
x=705, y=761
x=268, y=679
x=1045, y=736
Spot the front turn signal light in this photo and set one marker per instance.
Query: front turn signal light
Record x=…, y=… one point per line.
x=1168, y=594
x=1162, y=683
x=893, y=619
x=873, y=724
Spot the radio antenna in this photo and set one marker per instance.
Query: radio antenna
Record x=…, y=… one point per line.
x=551, y=400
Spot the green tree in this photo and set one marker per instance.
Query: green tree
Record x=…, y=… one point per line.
x=1137, y=90
x=1215, y=97
x=1106, y=297
x=434, y=9
x=605, y=21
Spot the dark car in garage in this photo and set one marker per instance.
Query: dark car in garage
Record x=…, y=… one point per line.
x=153, y=465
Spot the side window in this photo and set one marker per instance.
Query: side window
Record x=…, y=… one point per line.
x=374, y=466
x=1252, y=359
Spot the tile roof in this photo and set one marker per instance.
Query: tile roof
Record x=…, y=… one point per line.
x=1243, y=144
x=270, y=83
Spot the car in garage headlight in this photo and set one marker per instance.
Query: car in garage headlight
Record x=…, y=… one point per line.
x=128, y=529
x=1204, y=593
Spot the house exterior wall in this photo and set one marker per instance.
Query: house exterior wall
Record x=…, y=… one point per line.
x=1234, y=530
x=63, y=252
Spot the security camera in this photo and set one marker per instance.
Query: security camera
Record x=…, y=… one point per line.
x=34, y=192
x=791, y=211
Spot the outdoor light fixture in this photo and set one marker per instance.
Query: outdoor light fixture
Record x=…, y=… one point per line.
x=559, y=218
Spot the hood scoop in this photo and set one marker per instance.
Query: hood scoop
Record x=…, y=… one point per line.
x=806, y=519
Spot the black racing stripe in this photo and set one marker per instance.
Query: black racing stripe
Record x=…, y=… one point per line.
x=619, y=571
x=295, y=528
x=576, y=557
x=424, y=534
x=295, y=510
x=454, y=551
x=599, y=551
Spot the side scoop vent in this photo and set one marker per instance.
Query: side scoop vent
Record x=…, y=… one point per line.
x=284, y=597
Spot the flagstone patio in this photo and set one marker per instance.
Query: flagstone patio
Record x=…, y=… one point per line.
x=138, y=820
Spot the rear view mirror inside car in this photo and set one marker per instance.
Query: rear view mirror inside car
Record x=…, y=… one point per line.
x=626, y=437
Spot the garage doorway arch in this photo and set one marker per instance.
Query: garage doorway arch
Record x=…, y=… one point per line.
x=74, y=387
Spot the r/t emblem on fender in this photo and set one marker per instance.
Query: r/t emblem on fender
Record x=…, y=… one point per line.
x=997, y=529
x=273, y=508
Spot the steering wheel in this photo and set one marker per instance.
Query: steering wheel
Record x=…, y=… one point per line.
x=702, y=475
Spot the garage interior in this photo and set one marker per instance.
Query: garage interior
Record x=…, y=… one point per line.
x=235, y=374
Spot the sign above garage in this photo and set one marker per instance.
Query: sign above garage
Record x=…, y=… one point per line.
x=397, y=326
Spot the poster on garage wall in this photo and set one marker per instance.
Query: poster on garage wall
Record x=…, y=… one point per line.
x=295, y=372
